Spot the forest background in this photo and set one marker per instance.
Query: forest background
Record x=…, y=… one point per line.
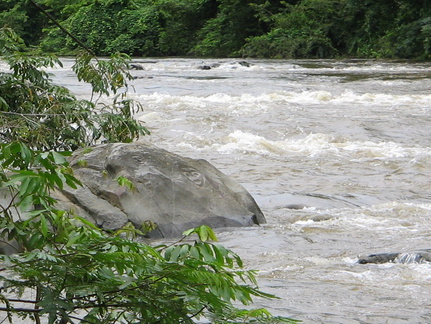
x=228, y=28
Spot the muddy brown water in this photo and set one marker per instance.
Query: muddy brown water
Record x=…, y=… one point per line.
x=336, y=153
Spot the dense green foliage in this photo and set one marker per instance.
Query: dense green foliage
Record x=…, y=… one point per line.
x=46, y=116
x=310, y=28
x=63, y=268
x=255, y=28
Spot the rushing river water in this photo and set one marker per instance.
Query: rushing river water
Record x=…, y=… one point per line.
x=338, y=156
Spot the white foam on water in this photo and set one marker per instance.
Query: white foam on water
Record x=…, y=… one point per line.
x=248, y=103
x=319, y=144
x=246, y=142
x=219, y=98
x=382, y=99
x=187, y=65
x=406, y=219
x=343, y=220
x=386, y=68
x=383, y=150
x=150, y=117
x=306, y=97
x=352, y=98
x=282, y=66
x=422, y=271
x=236, y=65
x=401, y=209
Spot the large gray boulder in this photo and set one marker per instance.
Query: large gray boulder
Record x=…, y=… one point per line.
x=176, y=193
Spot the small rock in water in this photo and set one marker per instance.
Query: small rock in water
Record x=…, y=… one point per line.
x=295, y=206
x=205, y=67
x=420, y=257
x=379, y=258
x=244, y=63
x=136, y=67
x=209, y=67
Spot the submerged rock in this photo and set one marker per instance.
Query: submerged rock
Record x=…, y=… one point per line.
x=379, y=258
x=244, y=63
x=176, y=193
x=136, y=67
x=419, y=257
x=209, y=66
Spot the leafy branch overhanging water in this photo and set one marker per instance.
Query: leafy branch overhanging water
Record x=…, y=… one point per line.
x=62, y=268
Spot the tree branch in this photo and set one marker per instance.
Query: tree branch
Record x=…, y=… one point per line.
x=15, y=310
x=50, y=17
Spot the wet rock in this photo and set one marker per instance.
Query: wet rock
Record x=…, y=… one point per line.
x=417, y=257
x=209, y=67
x=205, y=67
x=295, y=206
x=379, y=258
x=244, y=63
x=141, y=77
x=176, y=193
x=136, y=67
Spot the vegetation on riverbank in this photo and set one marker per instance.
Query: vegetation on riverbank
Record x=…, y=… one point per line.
x=62, y=268
x=226, y=28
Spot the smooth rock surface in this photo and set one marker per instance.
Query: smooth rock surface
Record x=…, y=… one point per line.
x=174, y=192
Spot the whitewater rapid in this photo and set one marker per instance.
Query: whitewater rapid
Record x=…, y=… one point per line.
x=348, y=143
x=336, y=153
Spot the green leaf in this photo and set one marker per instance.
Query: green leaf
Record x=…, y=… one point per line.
x=123, y=181
x=25, y=203
x=59, y=158
x=206, y=251
x=43, y=225
x=220, y=256
x=175, y=253
x=26, y=154
x=71, y=181
x=87, y=223
x=72, y=238
x=24, y=186
x=194, y=252
x=204, y=233
x=4, y=105
x=189, y=232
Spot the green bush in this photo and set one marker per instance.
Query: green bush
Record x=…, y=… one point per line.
x=181, y=20
x=280, y=43
x=225, y=34
x=412, y=40
x=311, y=28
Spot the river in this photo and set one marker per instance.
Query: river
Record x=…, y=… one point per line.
x=337, y=153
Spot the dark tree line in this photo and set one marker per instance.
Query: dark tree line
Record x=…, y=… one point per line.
x=223, y=28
